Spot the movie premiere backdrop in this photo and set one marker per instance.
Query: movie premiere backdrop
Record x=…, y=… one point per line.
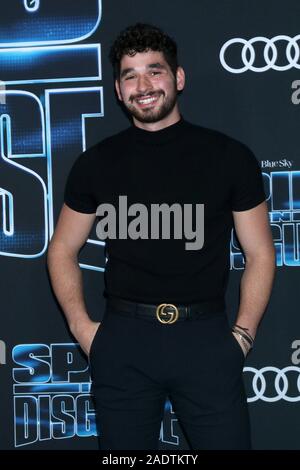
x=242, y=60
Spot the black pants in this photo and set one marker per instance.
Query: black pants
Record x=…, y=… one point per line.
x=136, y=363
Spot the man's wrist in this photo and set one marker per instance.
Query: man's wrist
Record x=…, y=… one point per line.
x=80, y=324
x=246, y=348
x=243, y=335
x=251, y=332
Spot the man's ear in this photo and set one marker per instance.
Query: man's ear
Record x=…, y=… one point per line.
x=180, y=78
x=117, y=85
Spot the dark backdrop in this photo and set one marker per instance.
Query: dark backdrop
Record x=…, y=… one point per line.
x=56, y=99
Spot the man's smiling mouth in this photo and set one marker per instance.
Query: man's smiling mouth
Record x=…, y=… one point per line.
x=147, y=100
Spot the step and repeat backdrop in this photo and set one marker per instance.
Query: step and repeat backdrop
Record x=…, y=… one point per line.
x=242, y=61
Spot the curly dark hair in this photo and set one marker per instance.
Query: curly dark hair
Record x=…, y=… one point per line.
x=143, y=37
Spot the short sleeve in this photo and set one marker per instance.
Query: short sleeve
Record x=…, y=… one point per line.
x=78, y=194
x=247, y=190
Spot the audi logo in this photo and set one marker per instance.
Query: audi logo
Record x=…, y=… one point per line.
x=281, y=383
x=31, y=5
x=270, y=54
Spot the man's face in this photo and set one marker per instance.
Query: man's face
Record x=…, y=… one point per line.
x=147, y=86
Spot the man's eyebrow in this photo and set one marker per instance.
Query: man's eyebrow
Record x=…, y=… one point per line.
x=126, y=71
x=156, y=65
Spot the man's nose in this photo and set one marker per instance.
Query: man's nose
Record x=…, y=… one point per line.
x=143, y=84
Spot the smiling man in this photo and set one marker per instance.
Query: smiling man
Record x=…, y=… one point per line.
x=164, y=331
x=149, y=89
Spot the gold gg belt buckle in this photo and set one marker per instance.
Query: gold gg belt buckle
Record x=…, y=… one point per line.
x=162, y=312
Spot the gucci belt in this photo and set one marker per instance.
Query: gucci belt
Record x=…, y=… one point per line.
x=165, y=313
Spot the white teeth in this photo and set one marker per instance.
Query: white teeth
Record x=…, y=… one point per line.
x=147, y=101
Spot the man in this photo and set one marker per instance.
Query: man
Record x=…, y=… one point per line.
x=165, y=330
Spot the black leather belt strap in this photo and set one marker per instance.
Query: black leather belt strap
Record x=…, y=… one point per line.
x=165, y=313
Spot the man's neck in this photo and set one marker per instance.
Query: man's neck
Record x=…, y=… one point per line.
x=157, y=126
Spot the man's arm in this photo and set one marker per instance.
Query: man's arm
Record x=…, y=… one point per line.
x=254, y=234
x=71, y=233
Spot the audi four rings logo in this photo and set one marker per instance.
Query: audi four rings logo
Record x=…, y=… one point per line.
x=282, y=383
x=270, y=53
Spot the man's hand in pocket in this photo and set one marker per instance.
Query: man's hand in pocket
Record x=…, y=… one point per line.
x=84, y=333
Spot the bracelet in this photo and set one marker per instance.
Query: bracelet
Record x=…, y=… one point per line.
x=245, y=330
x=244, y=336
x=243, y=343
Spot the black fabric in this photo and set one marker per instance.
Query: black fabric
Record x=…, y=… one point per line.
x=183, y=163
x=197, y=364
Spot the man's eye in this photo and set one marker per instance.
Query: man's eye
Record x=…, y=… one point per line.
x=130, y=77
x=155, y=73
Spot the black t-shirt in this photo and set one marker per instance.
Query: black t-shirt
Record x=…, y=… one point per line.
x=183, y=163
